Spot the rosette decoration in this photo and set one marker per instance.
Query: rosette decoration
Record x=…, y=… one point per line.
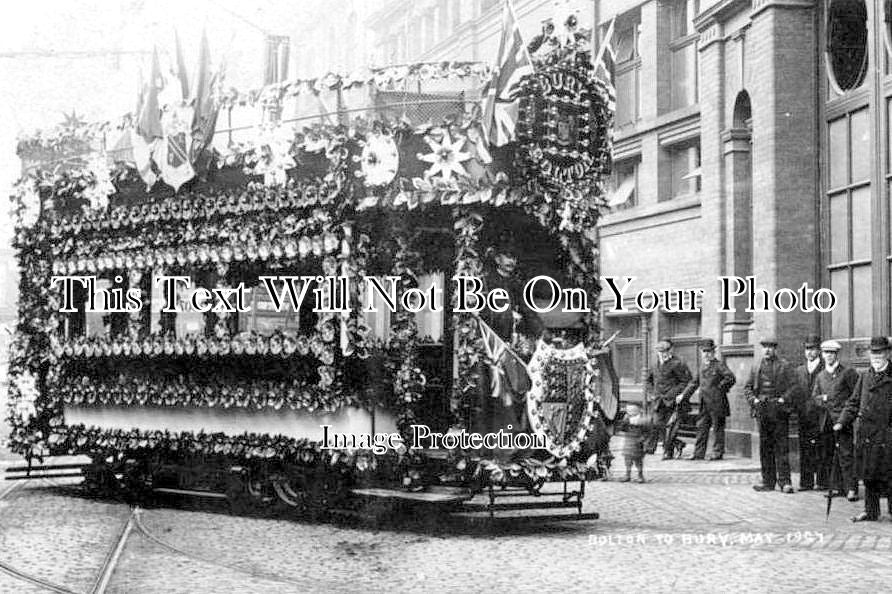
x=269, y=154
x=380, y=159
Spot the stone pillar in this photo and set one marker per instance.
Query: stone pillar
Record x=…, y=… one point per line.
x=738, y=189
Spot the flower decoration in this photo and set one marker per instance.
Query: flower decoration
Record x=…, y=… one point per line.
x=379, y=160
x=102, y=186
x=446, y=156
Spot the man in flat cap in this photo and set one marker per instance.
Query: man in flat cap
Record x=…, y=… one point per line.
x=770, y=392
x=665, y=384
x=870, y=406
x=808, y=416
x=713, y=382
x=833, y=388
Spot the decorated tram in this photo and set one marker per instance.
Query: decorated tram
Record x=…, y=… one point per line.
x=408, y=193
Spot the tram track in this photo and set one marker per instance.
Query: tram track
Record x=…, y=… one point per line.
x=109, y=564
x=140, y=527
x=133, y=525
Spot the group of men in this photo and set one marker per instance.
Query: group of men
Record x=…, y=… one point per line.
x=670, y=385
x=845, y=417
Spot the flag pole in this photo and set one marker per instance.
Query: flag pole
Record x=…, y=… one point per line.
x=596, y=20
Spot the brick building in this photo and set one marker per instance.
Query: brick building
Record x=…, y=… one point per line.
x=752, y=138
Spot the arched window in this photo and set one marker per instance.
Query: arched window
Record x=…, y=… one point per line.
x=846, y=43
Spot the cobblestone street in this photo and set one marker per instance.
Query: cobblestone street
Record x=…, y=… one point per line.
x=691, y=528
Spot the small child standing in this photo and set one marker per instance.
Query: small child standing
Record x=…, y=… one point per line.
x=632, y=430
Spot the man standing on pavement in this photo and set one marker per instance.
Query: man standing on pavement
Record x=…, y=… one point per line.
x=665, y=384
x=871, y=407
x=714, y=381
x=808, y=416
x=770, y=391
x=833, y=388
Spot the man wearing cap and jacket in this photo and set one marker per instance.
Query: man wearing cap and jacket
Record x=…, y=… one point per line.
x=666, y=383
x=870, y=406
x=808, y=416
x=833, y=388
x=770, y=392
x=713, y=382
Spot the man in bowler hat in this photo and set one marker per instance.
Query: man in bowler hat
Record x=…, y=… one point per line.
x=713, y=382
x=665, y=384
x=770, y=392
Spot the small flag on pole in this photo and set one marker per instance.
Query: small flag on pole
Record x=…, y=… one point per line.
x=501, y=104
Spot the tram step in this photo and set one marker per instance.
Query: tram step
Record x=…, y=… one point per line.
x=514, y=519
x=516, y=506
x=190, y=493
x=37, y=467
x=36, y=474
x=439, y=495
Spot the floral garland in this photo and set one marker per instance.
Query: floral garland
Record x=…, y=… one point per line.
x=266, y=237
x=78, y=439
x=409, y=381
x=31, y=360
x=190, y=393
x=279, y=344
x=384, y=77
x=469, y=350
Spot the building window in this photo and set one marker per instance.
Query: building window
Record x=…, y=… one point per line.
x=887, y=33
x=846, y=44
x=623, y=193
x=680, y=170
x=850, y=217
x=629, y=356
x=683, y=52
x=628, y=67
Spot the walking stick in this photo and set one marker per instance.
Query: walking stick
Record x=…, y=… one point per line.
x=833, y=466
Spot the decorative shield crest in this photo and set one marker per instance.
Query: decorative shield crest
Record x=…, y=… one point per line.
x=561, y=403
x=561, y=127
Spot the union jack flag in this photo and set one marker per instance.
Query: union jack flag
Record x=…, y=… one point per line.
x=603, y=62
x=501, y=108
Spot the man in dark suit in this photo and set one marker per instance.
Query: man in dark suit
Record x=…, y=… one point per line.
x=770, y=392
x=833, y=388
x=713, y=382
x=871, y=406
x=664, y=385
x=808, y=416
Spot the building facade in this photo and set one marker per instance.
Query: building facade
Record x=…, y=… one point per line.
x=752, y=139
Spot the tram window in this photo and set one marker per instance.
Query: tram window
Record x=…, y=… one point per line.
x=379, y=320
x=430, y=323
x=96, y=322
x=262, y=316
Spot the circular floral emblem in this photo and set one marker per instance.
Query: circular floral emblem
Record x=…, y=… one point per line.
x=380, y=159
